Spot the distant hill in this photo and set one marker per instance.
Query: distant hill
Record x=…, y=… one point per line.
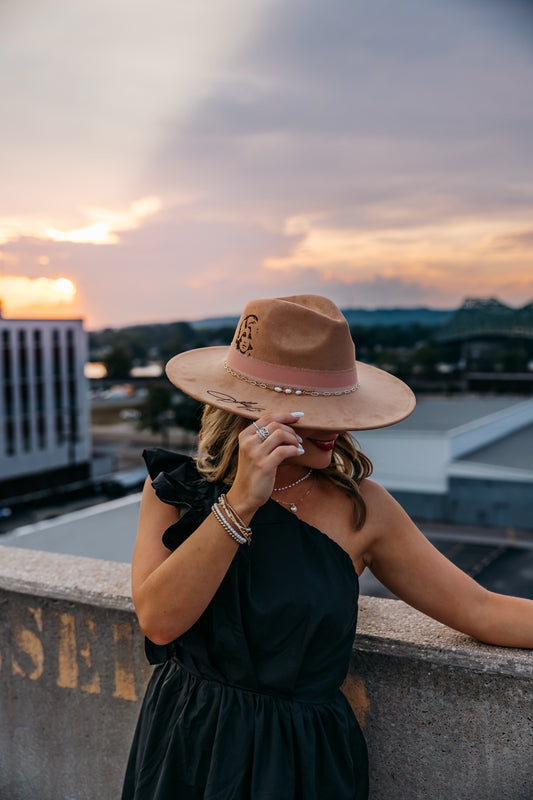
x=214, y=323
x=396, y=316
x=355, y=316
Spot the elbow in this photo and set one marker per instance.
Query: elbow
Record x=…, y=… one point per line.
x=159, y=628
x=481, y=623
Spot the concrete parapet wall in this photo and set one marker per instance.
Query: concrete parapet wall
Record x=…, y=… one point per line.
x=72, y=673
x=444, y=716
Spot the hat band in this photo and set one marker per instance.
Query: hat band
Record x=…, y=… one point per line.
x=290, y=379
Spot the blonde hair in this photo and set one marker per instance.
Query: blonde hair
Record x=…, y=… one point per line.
x=218, y=446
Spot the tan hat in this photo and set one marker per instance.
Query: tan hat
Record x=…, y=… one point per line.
x=294, y=354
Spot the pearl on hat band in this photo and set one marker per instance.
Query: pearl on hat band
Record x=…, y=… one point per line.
x=288, y=389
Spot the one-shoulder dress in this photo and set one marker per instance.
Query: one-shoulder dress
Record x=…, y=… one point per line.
x=246, y=704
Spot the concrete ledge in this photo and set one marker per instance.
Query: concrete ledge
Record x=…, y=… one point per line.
x=444, y=716
x=394, y=628
x=90, y=581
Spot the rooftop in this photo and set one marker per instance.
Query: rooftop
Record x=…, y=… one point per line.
x=104, y=531
x=447, y=413
x=514, y=450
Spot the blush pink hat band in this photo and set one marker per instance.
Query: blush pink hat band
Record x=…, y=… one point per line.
x=290, y=379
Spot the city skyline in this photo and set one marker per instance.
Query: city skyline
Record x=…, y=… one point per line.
x=173, y=162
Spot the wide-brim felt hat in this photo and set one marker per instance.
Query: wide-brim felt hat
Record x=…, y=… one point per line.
x=293, y=354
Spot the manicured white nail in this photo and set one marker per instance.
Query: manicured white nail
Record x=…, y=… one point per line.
x=297, y=413
x=299, y=438
x=301, y=451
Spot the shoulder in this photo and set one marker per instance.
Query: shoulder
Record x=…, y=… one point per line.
x=371, y=491
x=382, y=510
x=374, y=495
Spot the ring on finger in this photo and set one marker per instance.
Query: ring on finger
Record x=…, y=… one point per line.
x=263, y=433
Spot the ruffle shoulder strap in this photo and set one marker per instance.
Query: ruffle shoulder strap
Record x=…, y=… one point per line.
x=176, y=481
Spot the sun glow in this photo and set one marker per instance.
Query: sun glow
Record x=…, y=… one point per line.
x=41, y=297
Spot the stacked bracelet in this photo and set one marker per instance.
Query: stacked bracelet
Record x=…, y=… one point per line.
x=231, y=521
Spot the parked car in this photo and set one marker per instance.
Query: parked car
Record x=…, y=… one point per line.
x=125, y=482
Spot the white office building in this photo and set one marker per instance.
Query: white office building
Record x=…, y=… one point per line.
x=44, y=407
x=462, y=460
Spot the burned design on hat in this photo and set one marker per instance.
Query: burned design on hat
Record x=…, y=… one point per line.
x=247, y=405
x=243, y=336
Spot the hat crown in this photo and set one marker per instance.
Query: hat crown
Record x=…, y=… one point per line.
x=301, y=331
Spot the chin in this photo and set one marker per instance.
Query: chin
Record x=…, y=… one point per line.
x=320, y=463
x=311, y=460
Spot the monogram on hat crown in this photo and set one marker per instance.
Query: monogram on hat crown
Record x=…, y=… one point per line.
x=244, y=332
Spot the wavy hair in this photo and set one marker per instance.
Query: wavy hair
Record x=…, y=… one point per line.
x=218, y=446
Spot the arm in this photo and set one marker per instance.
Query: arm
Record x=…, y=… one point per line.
x=402, y=558
x=171, y=590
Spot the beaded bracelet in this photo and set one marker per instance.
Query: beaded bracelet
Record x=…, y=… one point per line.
x=228, y=518
x=226, y=525
x=241, y=526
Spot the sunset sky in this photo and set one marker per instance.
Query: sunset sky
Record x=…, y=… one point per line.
x=171, y=160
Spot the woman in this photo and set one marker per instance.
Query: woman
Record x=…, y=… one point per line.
x=245, y=571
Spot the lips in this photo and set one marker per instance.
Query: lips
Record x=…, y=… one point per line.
x=323, y=444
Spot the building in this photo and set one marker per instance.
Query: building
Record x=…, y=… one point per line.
x=465, y=460
x=44, y=406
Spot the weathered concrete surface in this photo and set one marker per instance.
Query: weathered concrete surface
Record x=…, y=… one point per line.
x=72, y=672
x=445, y=716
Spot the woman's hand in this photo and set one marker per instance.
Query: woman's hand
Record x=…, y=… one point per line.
x=259, y=459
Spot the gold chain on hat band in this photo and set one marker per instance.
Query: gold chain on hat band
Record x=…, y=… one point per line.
x=288, y=390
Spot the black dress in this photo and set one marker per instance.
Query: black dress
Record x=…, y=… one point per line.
x=246, y=704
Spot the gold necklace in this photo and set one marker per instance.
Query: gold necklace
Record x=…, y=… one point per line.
x=291, y=504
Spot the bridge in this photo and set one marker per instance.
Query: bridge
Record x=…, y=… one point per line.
x=478, y=318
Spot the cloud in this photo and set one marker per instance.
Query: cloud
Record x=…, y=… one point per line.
x=104, y=229
x=522, y=241
x=87, y=89
x=108, y=224
x=336, y=106
x=454, y=252
x=185, y=263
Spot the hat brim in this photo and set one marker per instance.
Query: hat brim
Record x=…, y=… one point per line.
x=381, y=399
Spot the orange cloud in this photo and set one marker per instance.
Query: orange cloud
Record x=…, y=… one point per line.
x=103, y=227
x=40, y=297
x=465, y=255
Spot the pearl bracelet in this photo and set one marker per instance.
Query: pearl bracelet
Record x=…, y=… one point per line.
x=228, y=518
x=230, y=512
